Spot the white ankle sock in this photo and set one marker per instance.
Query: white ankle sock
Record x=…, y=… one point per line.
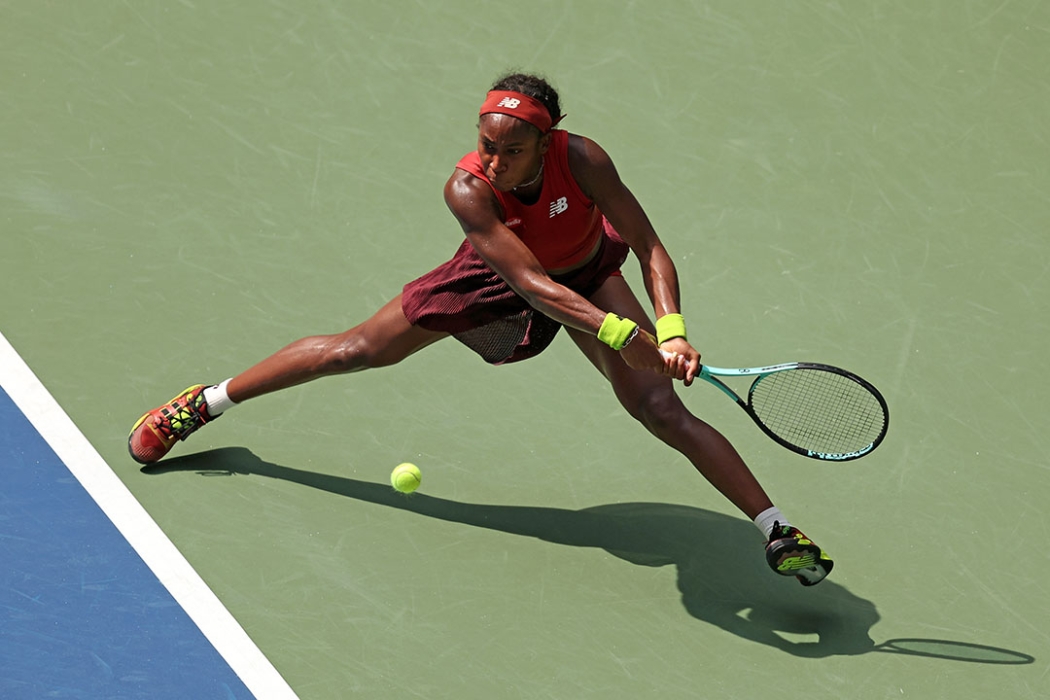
x=218, y=401
x=764, y=520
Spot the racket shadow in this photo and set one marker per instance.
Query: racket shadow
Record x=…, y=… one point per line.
x=722, y=576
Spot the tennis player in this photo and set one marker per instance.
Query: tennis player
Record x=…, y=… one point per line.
x=548, y=224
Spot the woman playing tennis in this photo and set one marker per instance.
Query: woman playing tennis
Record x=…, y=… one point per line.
x=548, y=223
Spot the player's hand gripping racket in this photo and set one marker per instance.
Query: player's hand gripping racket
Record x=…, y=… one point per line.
x=815, y=410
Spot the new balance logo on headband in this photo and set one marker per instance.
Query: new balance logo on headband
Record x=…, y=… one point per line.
x=509, y=103
x=558, y=206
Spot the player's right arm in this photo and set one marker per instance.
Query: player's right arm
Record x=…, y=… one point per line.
x=479, y=214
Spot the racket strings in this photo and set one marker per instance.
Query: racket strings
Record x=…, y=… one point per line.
x=818, y=410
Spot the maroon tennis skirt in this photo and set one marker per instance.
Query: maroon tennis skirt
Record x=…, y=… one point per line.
x=466, y=298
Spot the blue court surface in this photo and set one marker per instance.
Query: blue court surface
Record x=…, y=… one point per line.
x=83, y=616
x=95, y=601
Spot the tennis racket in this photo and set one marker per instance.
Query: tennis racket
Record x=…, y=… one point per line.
x=816, y=410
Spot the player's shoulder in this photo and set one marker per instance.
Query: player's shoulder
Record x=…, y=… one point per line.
x=468, y=196
x=586, y=151
x=464, y=181
x=588, y=162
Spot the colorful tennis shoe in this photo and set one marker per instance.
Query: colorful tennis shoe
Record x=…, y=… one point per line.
x=155, y=433
x=790, y=553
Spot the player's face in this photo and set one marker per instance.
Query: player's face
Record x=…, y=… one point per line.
x=511, y=150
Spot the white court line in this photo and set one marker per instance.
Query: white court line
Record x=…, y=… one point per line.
x=140, y=530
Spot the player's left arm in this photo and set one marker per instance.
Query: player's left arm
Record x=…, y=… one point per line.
x=597, y=176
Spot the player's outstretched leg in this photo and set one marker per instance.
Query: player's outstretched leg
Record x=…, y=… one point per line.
x=384, y=339
x=651, y=399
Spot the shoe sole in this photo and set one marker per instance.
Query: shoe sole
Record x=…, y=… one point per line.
x=796, y=555
x=804, y=562
x=818, y=573
x=789, y=565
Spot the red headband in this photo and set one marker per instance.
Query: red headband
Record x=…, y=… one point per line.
x=518, y=105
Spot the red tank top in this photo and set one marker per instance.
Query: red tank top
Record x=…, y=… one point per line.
x=563, y=226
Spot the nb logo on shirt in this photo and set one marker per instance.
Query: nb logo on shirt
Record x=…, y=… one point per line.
x=509, y=103
x=558, y=206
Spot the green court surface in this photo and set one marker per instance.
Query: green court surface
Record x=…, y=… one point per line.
x=187, y=186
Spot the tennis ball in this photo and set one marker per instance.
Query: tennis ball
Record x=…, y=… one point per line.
x=405, y=477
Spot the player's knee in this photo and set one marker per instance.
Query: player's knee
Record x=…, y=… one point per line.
x=346, y=353
x=659, y=411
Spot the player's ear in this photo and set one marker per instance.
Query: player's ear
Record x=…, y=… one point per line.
x=545, y=143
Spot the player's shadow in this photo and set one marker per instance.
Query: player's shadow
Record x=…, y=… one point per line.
x=721, y=572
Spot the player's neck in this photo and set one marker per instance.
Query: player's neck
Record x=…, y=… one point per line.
x=529, y=192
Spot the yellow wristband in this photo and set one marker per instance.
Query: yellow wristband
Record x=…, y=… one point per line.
x=670, y=326
x=615, y=331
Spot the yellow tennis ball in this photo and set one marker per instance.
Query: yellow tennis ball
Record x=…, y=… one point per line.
x=406, y=477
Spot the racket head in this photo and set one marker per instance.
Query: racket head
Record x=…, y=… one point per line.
x=819, y=411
